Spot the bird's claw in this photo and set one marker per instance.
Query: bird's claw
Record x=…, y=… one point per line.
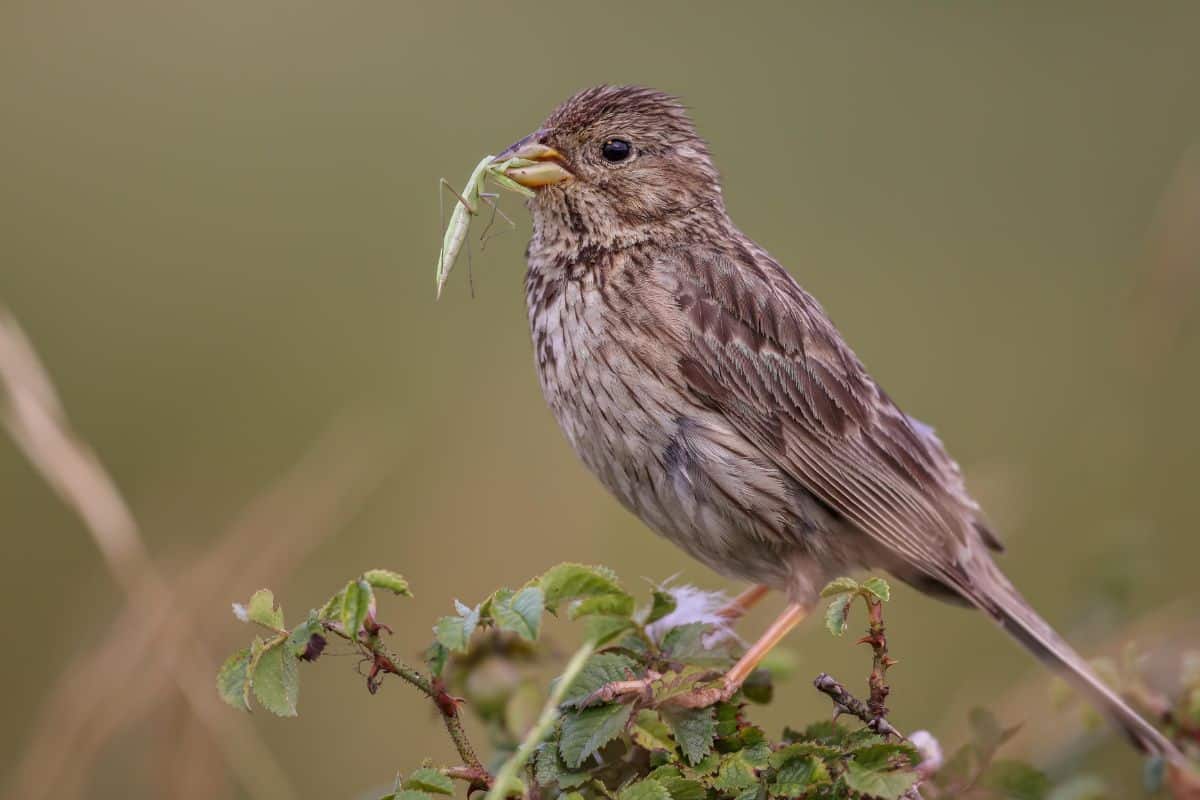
x=703, y=697
x=622, y=690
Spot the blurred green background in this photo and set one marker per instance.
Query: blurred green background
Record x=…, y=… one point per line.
x=219, y=222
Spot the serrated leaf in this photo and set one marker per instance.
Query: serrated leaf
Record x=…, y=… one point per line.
x=302, y=634
x=871, y=772
x=837, y=615
x=454, y=633
x=681, y=788
x=802, y=750
x=233, y=680
x=648, y=789
x=575, y=581
x=549, y=768
x=598, y=670
x=686, y=644
x=275, y=678
x=408, y=794
x=585, y=732
x=1014, y=780
x=736, y=773
x=878, y=587
x=386, y=579
x=520, y=612
x=427, y=779
x=694, y=730
x=435, y=656
x=262, y=609
x=650, y=732
x=663, y=603
x=798, y=776
x=356, y=599
x=600, y=629
x=839, y=586
x=613, y=605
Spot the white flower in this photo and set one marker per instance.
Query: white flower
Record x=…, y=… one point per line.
x=240, y=612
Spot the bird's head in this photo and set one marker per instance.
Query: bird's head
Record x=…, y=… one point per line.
x=616, y=165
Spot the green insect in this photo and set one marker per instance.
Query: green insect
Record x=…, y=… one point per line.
x=470, y=203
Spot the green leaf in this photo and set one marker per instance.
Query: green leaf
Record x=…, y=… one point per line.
x=802, y=750
x=878, y=587
x=648, y=789
x=618, y=605
x=600, y=629
x=386, y=579
x=574, y=581
x=694, y=730
x=435, y=656
x=356, y=600
x=685, y=643
x=651, y=733
x=839, y=586
x=302, y=634
x=275, y=678
x=408, y=794
x=262, y=609
x=549, y=768
x=598, y=670
x=662, y=605
x=427, y=779
x=837, y=615
x=520, y=613
x=454, y=633
x=233, y=680
x=737, y=772
x=681, y=788
x=797, y=776
x=1014, y=780
x=870, y=772
x=585, y=732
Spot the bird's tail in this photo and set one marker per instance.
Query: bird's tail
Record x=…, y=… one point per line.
x=996, y=596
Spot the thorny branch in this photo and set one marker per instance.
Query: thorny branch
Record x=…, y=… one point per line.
x=874, y=711
x=383, y=660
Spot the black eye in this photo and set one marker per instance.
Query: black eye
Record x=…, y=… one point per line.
x=616, y=150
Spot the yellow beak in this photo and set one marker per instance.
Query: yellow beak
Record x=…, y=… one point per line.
x=546, y=172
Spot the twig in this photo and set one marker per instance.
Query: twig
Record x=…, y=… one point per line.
x=383, y=660
x=877, y=638
x=542, y=729
x=874, y=711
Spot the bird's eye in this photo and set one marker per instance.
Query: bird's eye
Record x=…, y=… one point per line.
x=616, y=150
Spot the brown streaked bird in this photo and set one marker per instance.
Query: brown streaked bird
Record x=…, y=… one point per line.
x=713, y=396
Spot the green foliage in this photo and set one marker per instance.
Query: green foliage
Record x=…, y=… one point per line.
x=614, y=727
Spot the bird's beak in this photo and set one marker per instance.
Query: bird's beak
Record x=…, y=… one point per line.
x=546, y=170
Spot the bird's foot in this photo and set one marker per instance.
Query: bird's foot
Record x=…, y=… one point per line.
x=704, y=696
x=624, y=691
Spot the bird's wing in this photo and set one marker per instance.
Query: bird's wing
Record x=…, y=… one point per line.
x=759, y=349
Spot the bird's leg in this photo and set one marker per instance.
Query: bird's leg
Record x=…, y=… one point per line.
x=738, y=607
x=732, y=681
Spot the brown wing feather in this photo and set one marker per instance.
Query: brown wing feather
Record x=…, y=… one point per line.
x=763, y=352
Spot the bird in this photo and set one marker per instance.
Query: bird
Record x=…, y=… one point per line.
x=713, y=396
